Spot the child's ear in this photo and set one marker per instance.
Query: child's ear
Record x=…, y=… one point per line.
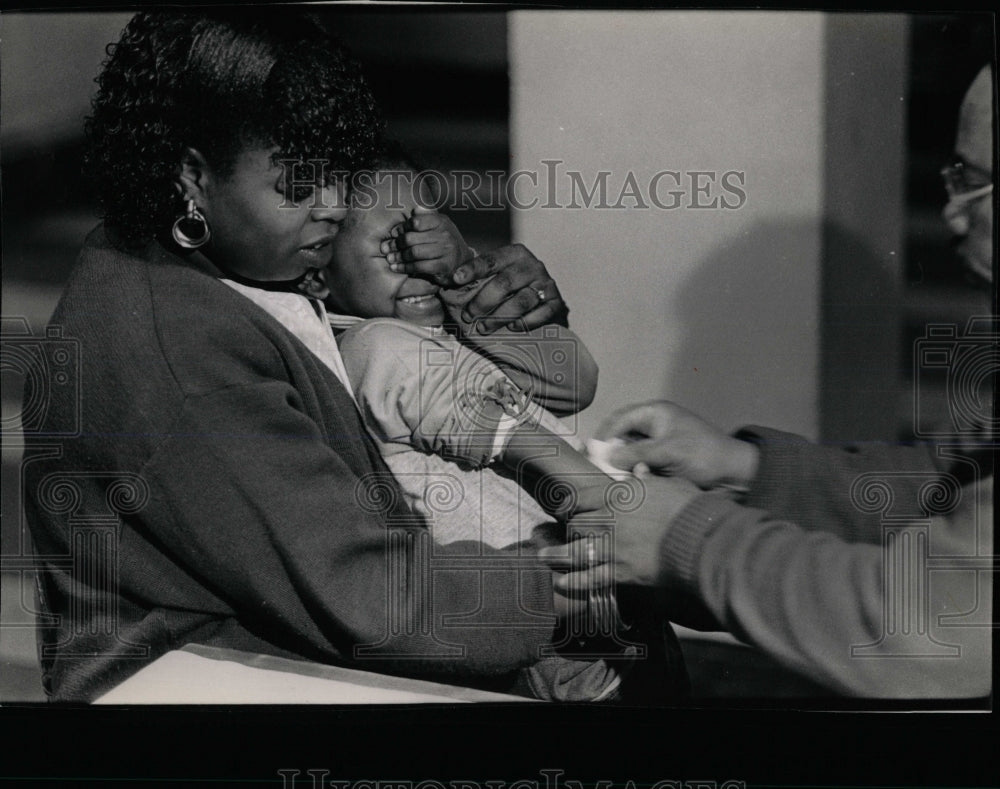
x=192, y=175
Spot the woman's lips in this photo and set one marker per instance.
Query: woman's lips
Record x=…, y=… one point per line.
x=320, y=241
x=319, y=249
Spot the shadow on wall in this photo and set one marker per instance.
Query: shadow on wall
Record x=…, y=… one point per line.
x=836, y=362
x=748, y=313
x=860, y=352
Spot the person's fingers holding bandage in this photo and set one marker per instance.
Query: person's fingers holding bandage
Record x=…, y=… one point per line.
x=640, y=434
x=646, y=420
x=672, y=440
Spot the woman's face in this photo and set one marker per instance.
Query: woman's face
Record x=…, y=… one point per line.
x=359, y=277
x=257, y=230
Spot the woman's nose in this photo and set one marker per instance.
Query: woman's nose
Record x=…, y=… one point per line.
x=956, y=217
x=331, y=204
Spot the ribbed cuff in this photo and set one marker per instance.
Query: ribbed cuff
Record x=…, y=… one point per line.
x=779, y=460
x=682, y=545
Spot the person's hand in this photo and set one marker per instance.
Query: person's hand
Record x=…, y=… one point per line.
x=673, y=441
x=520, y=295
x=567, y=607
x=636, y=531
x=426, y=244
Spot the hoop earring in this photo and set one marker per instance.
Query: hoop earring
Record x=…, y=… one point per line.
x=191, y=229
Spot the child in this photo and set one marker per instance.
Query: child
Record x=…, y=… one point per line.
x=449, y=420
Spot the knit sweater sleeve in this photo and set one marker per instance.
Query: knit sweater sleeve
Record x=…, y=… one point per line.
x=821, y=606
x=825, y=487
x=258, y=507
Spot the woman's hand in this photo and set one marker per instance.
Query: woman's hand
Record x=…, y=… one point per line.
x=568, y=606
x=428, y=244
x=637, y=532
x=520, y=294
x=673, y=441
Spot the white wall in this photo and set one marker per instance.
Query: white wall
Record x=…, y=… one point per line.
x=47, y=67
x=717, y=309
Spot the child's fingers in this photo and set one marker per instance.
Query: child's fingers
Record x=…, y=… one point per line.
x=412, y=239
x=436, y=268
x=417, y=252
x=419, y=222
x=422, y=222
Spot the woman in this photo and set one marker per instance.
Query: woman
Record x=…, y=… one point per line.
x=221, y=488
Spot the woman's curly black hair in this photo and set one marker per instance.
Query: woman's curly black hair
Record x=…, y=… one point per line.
x=219, y=82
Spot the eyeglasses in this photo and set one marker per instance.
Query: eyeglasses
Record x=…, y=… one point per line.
x=962, y=186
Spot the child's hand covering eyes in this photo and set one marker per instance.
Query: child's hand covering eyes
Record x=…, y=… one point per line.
x=427, y=243
x=519, y=293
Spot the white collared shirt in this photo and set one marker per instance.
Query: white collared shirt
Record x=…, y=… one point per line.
x=304, y=317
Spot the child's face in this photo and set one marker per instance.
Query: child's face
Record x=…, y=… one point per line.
x=359, y=277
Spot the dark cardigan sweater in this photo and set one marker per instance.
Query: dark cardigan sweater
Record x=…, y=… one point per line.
x=220, y=489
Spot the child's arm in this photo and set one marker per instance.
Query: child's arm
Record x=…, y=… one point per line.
x=436, y=395
x=550, y=362
x=548, y=466
x=429, y=391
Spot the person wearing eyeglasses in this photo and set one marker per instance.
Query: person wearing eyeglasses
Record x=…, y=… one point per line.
x=969, y=179
x=865, y=568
